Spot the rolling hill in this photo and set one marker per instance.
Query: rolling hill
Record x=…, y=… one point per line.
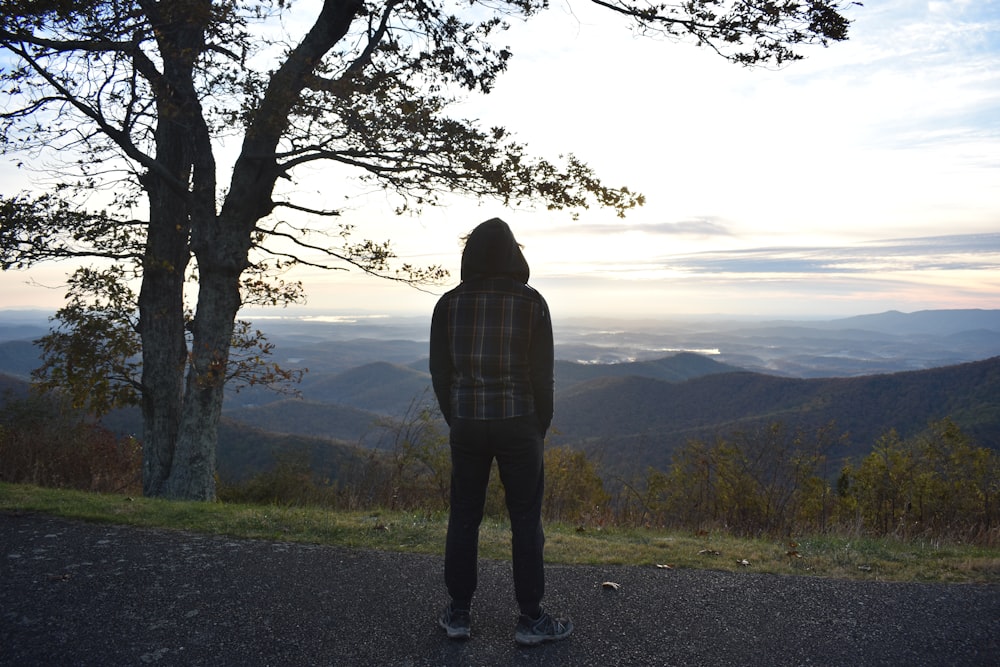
x=378, y=387
x=19, y=358
x=641, y=421
x=308, y=418
x=244, y=451
x=675, y=368
x=12, y=386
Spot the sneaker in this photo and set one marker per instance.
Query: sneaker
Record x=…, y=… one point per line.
x=456, y=622
x=531, y=632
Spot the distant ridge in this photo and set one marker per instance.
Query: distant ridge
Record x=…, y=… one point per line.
x=26, y=332
x=934, y=322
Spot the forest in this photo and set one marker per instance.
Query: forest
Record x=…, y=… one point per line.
x=773, y=479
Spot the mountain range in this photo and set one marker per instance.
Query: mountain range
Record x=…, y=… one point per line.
x=626, y=395
x=649, y=418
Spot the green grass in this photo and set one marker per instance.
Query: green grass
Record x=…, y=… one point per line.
x=859, y=558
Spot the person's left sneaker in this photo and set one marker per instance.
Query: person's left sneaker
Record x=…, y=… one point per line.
x=456, y=622
x=545, y=628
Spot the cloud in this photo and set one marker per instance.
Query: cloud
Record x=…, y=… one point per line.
x=959, y=252
x=698, y=227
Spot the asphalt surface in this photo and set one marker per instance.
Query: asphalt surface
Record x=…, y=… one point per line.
x=73, y=593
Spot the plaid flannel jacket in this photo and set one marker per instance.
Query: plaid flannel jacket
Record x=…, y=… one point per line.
x=491, y=352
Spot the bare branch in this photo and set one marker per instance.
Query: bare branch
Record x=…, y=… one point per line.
x=307, y=209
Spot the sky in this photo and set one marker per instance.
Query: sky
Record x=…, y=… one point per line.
x=865, y=178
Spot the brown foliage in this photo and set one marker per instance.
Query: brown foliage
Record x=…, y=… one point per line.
x=45, y=442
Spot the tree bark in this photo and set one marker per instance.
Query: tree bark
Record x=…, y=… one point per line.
x=192, y=475
x=181, y=159
x=161, y=327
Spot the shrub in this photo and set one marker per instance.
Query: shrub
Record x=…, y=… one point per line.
x=44, y=441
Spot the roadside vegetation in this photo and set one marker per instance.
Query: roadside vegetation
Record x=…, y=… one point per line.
x=922, y=509
x=858, y=558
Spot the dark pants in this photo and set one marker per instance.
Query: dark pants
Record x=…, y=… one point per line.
x=517, y=446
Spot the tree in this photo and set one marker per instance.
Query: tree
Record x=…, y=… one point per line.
x=764, y=480
x=938, y=482
x=573, y=489
x=419, y=459
x=882, y=483
x=140, y=100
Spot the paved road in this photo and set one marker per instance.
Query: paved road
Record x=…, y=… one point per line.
x=73, y=593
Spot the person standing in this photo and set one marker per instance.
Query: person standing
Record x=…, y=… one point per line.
x=491, y=364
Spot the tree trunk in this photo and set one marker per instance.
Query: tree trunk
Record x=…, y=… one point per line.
x=161, y=327
x=183, y=157
x=192, y=475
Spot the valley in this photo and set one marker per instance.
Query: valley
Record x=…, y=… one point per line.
x=628, y=393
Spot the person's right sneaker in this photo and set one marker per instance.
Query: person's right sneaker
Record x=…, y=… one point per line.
x=456, y=622
x=531, y=632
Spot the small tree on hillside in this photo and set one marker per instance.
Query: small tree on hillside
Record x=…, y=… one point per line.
x=771, y=479
x=417, y=457
x=573, y=489
x=937, y=482
x=142, y=100
x=882, y=481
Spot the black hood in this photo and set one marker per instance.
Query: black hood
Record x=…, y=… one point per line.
x=491, y=250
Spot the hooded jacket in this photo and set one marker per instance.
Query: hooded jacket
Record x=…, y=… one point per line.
x=491, y=351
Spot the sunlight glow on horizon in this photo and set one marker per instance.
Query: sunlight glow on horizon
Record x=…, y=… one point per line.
x=860, y=180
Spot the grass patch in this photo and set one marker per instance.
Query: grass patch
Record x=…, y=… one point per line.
x=882, y=559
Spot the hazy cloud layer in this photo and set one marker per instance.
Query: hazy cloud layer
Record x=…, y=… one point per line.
x=961, y=252
x=697, y=227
